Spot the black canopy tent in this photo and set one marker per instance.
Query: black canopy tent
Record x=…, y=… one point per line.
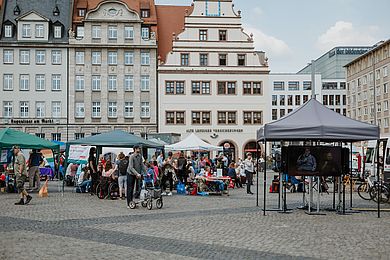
x=314, y=122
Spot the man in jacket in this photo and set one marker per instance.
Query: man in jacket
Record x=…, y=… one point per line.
x=134, y=171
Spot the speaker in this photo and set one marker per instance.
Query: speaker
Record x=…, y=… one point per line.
x=345, y=157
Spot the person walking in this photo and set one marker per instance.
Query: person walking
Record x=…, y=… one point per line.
x=20, y=170
x=249, y=168
x=168, y=172
x=134, y=171
x=122, y=164
x=93, y=169
x=33, y=171
x=182, y=168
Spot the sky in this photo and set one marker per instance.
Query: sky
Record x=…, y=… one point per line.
x=294, y=32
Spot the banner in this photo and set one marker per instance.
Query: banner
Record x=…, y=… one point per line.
x=4, y=156
x=78, y=154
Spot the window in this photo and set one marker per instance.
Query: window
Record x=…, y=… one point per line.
x=342, y=84
x=338, y=100
x=56, y=109
x=378, y=74
x=129, y=109
x=293, y=85
x=145, y=109
x=173, y=117
x=385, y=88
x=145, y=33
x=57, y=32
x=96, y=82
x=56, y=137
x=26, y=31
x=96, y=58
x=386, y=122
x=307, y=85
x=40, y=109
x=226, y=88
x=145, y=13
x=278, y=85
x=24, y=57
x=274, y=100
x=129, y=83
x=79, y=83
x=252, y=88
x=329, y=85
x=222, y=35
x=145, y=82
x=282, y=112
x=344, y=100
x=81, y=12
x=297, y=100
x=201, y=87
x=39, y=31
x=145, y=58
x=112, y=32
x=56, y=57
x=222, y=59
x=129, y=32
x=257, y=88
x=247, y=88
x=252, y=117
x=305, y=98
x=378, y=107
x=24, y=84
x=196, y=118
x=8, y=56
x=184, y=59
x=289, y=100
x=241, y=59
x=386, y=105
x=227, y=117
x=112, y=110
x=203, y=59
x=112, y=80
x=179, y=87
x=7, y=31
x=24, y=106
x=174, y=87
x=129, y=58
x=96, y=32
x=331, y=100
x=56, y=82
x=202, y=35
x=80, y=57
x=80, y=31
x=96, y=109
x=40, y=82
x=201, y=117
x=40, y=57
x=78, y=136
x=80, y=110
x=7, y=109
x=282, y=100
x=112, y=58
x=385, y=71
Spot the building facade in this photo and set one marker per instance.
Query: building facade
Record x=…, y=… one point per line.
x=211, y=80
x=33, y=66
x=113, y=67
x=368, y=87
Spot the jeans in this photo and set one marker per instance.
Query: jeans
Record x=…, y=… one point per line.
x=248, y=181
x=85, y=185
x=130, y=187
x=122, y=182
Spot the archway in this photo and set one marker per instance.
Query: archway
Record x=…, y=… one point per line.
x=230, y=149
x=250, y=146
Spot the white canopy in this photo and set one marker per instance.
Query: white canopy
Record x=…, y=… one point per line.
x=193, y=143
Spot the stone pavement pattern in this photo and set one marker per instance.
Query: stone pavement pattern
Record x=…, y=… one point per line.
x=81, y=226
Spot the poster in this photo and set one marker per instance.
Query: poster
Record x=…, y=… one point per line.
x=4, y=156
x=78, y=154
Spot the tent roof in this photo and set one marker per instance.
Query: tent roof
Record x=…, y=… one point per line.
x=193, y=143
x=314, y=121
x=116, y=138
x=10, y=137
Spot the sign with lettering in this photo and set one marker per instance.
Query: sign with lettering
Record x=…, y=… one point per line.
x=348, y=51
x=33, y=121
x=78, y=154
x=237, y=130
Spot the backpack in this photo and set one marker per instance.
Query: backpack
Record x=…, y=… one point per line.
x=122, y=167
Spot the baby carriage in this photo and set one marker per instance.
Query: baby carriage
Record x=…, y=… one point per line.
x=148, y=193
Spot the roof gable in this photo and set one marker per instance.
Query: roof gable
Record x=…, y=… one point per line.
x=32, y=16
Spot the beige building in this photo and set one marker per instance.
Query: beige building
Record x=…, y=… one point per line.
x=368, y=87
x=112, y=65
x=211, y=79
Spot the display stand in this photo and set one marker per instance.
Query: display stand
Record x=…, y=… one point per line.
x=283, y=191
x=317, y=212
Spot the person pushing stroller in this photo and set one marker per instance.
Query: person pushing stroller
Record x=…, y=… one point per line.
x=134, y=172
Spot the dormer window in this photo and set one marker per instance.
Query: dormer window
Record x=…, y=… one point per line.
x=26, y=31
x=57, y=32
x=81, y=12
x=8, y=31
x=39, y=31
x=145, y=13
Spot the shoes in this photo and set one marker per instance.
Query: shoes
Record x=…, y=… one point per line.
x=251, y=193
x=128, y=206
x=164, y=194
x=20, y=202
x=29, y=198
x=169, y=194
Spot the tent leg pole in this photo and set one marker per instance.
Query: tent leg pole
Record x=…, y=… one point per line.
x=265, y=178
x=318, y=194
x=258, y=172
x=350, y=178
x=334, y=193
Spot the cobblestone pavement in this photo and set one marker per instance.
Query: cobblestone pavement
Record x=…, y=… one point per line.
x=81, y=226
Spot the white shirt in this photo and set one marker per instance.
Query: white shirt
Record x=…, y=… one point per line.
x=249, y=166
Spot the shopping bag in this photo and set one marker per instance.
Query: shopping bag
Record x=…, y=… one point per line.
x=181, y=188
x=43, y=192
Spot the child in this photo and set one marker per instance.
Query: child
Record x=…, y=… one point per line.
x=149, y=176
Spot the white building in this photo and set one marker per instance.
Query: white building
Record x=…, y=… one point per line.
x=212, y=82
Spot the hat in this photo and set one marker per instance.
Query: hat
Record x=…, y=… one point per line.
x=15, y=147
x=248, y=153
x=136, y=146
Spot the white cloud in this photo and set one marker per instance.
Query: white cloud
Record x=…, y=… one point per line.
x=344, y=33
x=270, y=44
x=257, y=11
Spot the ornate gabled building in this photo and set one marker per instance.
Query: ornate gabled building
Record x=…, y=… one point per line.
x=211, y=79
x=33, y=66
x=112, y=64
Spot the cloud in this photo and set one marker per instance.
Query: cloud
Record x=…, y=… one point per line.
x=257, y=11
x=345, y=33
x=270, y=44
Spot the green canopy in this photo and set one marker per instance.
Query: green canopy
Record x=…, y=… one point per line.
x=10, y=137
x=115, y=138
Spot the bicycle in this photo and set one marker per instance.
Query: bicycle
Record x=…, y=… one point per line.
x=384, y=192
x=365, y=188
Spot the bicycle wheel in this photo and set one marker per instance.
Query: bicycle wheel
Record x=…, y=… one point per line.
x=113, y=190
x=363, y=192
x=383, y=194
x=100, y=192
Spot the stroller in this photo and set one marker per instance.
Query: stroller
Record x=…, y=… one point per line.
x=148, y=193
